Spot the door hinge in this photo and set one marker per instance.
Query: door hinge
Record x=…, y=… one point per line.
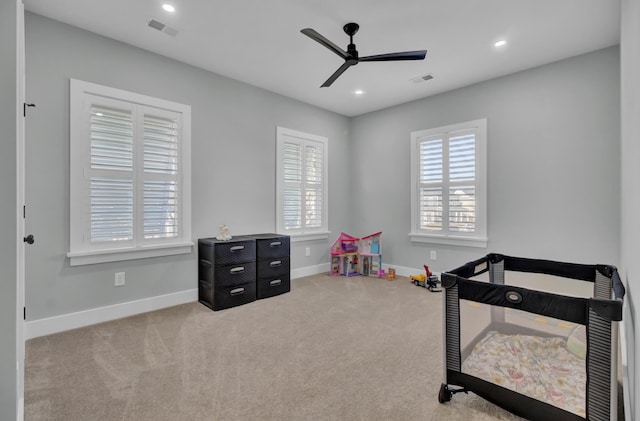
x=24, y=108
x=24, y=212
x=25, y=313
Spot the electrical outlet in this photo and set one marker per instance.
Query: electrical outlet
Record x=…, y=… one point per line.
x=434, y=255
x=307, y=251
x=119, y=279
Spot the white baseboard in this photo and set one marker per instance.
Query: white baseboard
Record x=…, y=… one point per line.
x=56, y=324
x=309, y=270
x=403, y=270
x=50, y=325
x=324, y=268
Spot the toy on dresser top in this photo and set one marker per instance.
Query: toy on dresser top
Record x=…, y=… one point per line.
x=224, y=233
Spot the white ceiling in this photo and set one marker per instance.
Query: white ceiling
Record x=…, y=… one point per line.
x=259, y=41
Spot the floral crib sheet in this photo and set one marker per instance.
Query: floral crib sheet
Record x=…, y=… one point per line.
x=539, y=367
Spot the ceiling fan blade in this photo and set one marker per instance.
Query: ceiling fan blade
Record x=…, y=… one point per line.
x=314, y=35
x=337, y=73
x=407, y=55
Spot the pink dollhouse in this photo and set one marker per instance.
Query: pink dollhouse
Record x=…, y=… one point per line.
x=352, y=256
x=371, y=255
x=344, y=256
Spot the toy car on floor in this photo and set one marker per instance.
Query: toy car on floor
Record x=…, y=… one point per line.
x=428, y=280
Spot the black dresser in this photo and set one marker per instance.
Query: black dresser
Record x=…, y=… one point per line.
x=274, y=270
x=243, y=269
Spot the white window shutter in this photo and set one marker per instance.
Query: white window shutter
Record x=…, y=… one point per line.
x=160, y=145
x=130, y=176
x=462, y=195
x=431, y=161
x=431, y=208
x=431, y=164
x=448, y=174
x=111, y=169
x=292, y=177
x=301, y=189
x=462, y=158
x=111, y=209
x=160, y=188
x=462, y=209
x=313, y=184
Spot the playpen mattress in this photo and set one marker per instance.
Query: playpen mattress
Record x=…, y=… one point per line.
x=539, y=367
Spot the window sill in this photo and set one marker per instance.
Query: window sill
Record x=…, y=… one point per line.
x=80, y=258
x=310, y=236
x=480, y=242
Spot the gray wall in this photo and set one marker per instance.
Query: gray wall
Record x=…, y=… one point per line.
x=630, y=126
x=553, y=164
x=233, y=165
x=8, y=206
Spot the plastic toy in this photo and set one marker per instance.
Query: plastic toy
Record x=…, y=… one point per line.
x=428, y=280
x=371, y=255
x=344, y=256
x=391, y=275
x=352, y=256
x=224, y=233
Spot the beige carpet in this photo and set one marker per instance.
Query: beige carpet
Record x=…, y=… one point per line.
x=333, y=348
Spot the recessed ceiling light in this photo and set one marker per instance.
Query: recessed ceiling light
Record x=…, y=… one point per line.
x=169, y=8
x=500, y=43
x=358, y=92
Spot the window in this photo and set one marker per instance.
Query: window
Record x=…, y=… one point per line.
x=449, y=184
x=130, y=193
x=301, y=187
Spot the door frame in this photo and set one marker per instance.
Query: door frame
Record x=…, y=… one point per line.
x=20, y=211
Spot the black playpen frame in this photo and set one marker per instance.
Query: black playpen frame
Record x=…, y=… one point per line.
x=599, y=314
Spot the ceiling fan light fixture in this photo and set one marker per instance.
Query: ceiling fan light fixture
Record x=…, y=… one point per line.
x=358, y=92
x=500, y=43
x=351, y=56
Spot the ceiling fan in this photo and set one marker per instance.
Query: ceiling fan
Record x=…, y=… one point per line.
x=351, y=55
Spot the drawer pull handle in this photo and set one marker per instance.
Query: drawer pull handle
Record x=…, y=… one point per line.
x=275, y=263
x=275, y=244
x=236, y=270
x=275, y=282
x=236, y=248
x=237, y=291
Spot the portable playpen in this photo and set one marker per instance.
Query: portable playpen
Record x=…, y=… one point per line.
x=536, y=337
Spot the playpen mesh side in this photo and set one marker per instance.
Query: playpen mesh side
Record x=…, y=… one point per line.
x=496, y=272
x=602, y=287
x=452, y=329
x=599, y=367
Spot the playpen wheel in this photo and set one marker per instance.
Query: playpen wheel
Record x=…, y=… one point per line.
x=444, y=395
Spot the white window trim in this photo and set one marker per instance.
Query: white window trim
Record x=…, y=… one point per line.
x=79, y=253
x=480, y=238
x=310, y=234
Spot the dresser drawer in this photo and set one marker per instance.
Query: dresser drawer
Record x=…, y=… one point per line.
x=239, y=273
x=268, y=287
x=225, y=297
x=273, y=267
x=227, y=252
x=272, y=246
x=205, y=294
